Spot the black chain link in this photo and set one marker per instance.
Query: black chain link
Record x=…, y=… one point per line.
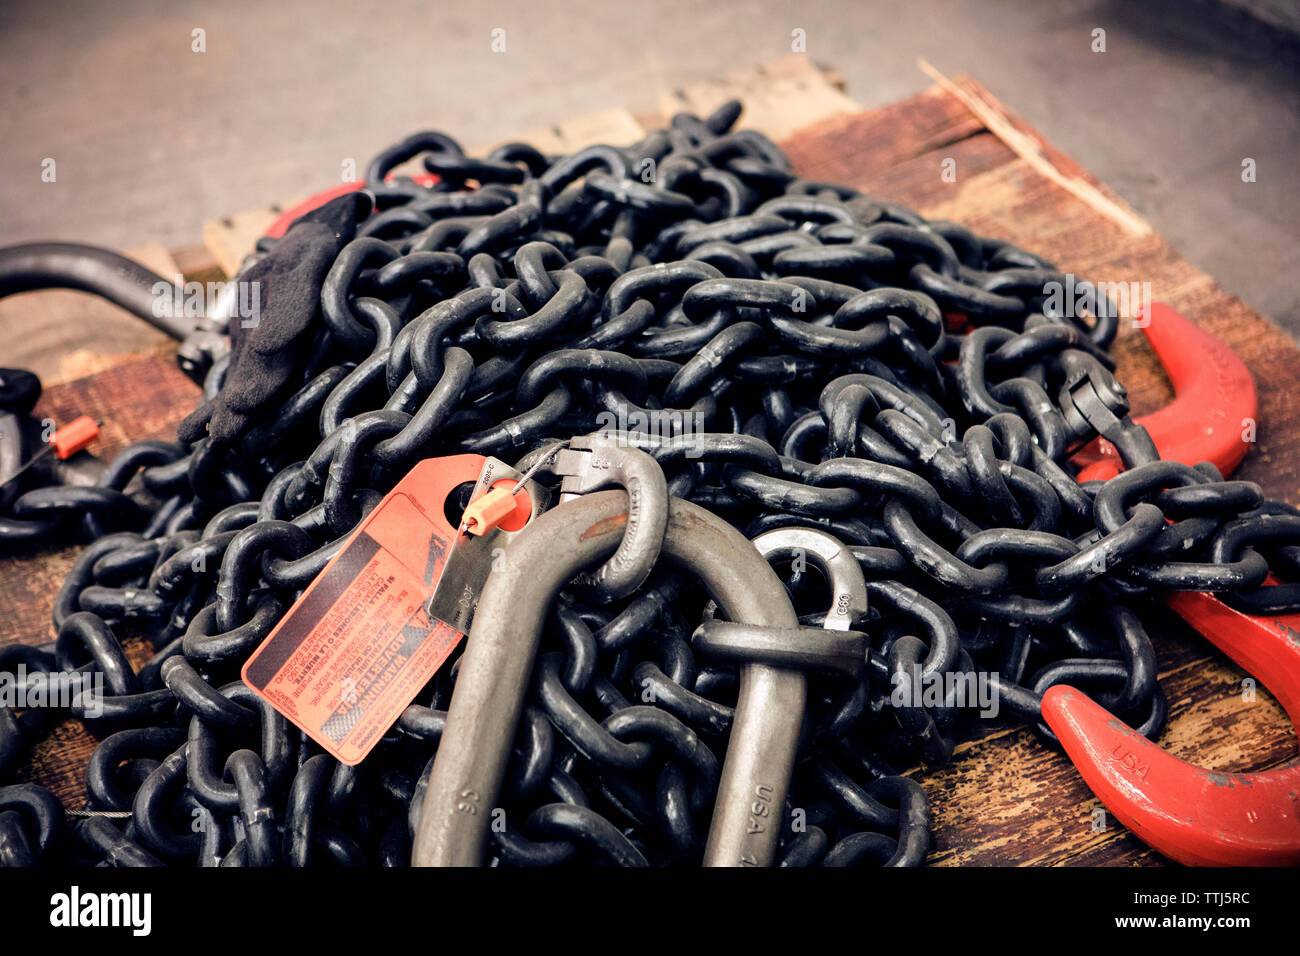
x=792, y=353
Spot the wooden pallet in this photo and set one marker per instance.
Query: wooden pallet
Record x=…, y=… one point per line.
x=1005, y=799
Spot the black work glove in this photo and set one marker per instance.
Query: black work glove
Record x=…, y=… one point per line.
x=268, y=357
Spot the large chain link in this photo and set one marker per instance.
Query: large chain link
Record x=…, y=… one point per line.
x=792, y=353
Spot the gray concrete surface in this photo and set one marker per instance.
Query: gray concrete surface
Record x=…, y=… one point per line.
x=151, y=138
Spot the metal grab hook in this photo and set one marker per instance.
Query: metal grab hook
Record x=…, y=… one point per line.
x=598, y=461
x=1193, y=815
x=1214, y=394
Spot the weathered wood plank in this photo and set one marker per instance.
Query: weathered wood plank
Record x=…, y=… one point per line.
x=1013, y=801
x=862, y=148
x=1045, y=159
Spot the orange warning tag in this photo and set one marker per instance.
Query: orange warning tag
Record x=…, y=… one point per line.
x=357, y=646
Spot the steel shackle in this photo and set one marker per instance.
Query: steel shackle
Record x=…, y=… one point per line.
x=773, y=696
x=489, y=694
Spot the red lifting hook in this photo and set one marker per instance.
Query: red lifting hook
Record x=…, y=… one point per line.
x=1190, y=814
x=289, y=216
x=1214, y=396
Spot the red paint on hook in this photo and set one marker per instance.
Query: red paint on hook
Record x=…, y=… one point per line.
x=1193, y=815
x=286, y=218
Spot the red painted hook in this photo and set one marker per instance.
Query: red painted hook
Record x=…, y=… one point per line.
x=1214, y=395
x=1192, y=815
x=289, y=216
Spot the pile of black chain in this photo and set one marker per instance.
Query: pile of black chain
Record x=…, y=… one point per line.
x=792, y=353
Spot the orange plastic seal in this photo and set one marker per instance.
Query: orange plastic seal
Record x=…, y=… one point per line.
x=508, y=510
x=75, y=436
x=487, y=511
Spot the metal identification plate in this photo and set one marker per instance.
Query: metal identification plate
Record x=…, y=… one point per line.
x=472, y=557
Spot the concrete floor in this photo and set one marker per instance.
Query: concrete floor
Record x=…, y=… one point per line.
x=151, y=138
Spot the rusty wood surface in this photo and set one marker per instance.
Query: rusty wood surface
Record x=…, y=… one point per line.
x=1006, y=798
